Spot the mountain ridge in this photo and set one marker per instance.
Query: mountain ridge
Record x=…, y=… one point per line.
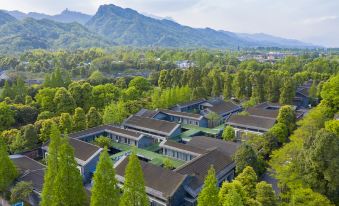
x=112, y=25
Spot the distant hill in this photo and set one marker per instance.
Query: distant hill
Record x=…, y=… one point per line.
x=128, y=27
x=30, y=33
x=113, y=25
x=65, y=16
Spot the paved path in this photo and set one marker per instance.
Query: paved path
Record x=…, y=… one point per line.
x=268, y=177
x=4, y=202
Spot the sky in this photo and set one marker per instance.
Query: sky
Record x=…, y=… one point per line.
x=312, y=21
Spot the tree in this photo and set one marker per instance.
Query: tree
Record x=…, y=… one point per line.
x=7, y=91
x=239, y=84
x=115, y=113
x=134, y=192
x=226, y=193
x=227, y=86
x=21, y=191
x=209, y=192
x=103, y=142
x=65, y=123
x=46, y=129
x=280, y=131
x=232, y=199
x=63, y=101
x=287, y=92
x=228, y=134
x=246, y=156
x=93, y=118
x=79, y=120
x=330, y=93
x=48, y=194
x=301, y=197
x=82, y=94
x=45, y=98
x=248, y=179
x=8, y=170
x=105, y=190
x=140, y=83
x=265, y=194
x=214, y=119
x=6, y=116
x=286, y=116
x=168, y=164
x=30, y=136
x=96, y=78
x=71, y=191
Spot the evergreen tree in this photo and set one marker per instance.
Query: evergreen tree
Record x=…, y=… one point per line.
x=239, y=85
x=48, y=193
x=246, y=156
x=45, y=130
x=227, y=187
x=105, y=191
x=65, y=123
x=286, y=116
x=209, y=193
x=63, y=101
x=93, y=117
x=8, y=170
x=233, y=198
x=30, y=136
x=68, y=188
x=227, y=86
x=7, y=91
x=115, y=113
x=134, y=185
x=287, y=92
x=248, y=180
x=6, y=116
x=228, y=134
x=265, y=194
x=79, y=120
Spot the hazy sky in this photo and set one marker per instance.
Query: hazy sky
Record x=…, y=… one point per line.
x=314, y=21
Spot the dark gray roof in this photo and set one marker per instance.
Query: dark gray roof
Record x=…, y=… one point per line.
x=198, y=167
x=209, y=143
x=158, y=178
x=222, y=107
x=266, y=105
x=185, y=147
x=194, y=102
x=83, y=150
x=182, y=114
x=250, y=121
x=152, y=125
x=30, y=171
x=146, y=113
x=269, y=113
x=103, y=128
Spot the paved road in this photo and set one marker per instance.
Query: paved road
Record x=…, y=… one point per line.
x=268, y=177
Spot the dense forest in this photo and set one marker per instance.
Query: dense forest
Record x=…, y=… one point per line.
x=79, y=92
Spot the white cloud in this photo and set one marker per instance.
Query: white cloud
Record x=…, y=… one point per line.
x=319, y=19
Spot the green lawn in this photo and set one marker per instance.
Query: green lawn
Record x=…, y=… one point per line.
x=155, y=158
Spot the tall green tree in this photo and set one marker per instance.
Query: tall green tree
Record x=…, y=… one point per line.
x=287, y=116
x=246, y=156
x=21, y=191
x=231, y=187
x=82, y=94
x=239, y=84
x=248, y=179
x=8, y=170
x=265, y=194
x=209, y=193
x=46, y=128
x=301, y=197
x=93, y=118
x=227, y=92
x=79, y=120
x=287, y=92
x=115, y=113
x=105, y=190
x=65, y=122
x=68, y=188
x=228, y=134
x=63, y=101
x=7, y=91
x=48, y=194
x=134, y=192
x=6, y=116
x=30, y=136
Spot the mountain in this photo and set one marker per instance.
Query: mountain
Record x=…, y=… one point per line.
x=113, y=25
x=30, y=33
x=128, y=27
x=6, y=18
x=65, y=16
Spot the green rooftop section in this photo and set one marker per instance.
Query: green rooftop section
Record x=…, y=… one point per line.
x=155, y=158
x=194, y=130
